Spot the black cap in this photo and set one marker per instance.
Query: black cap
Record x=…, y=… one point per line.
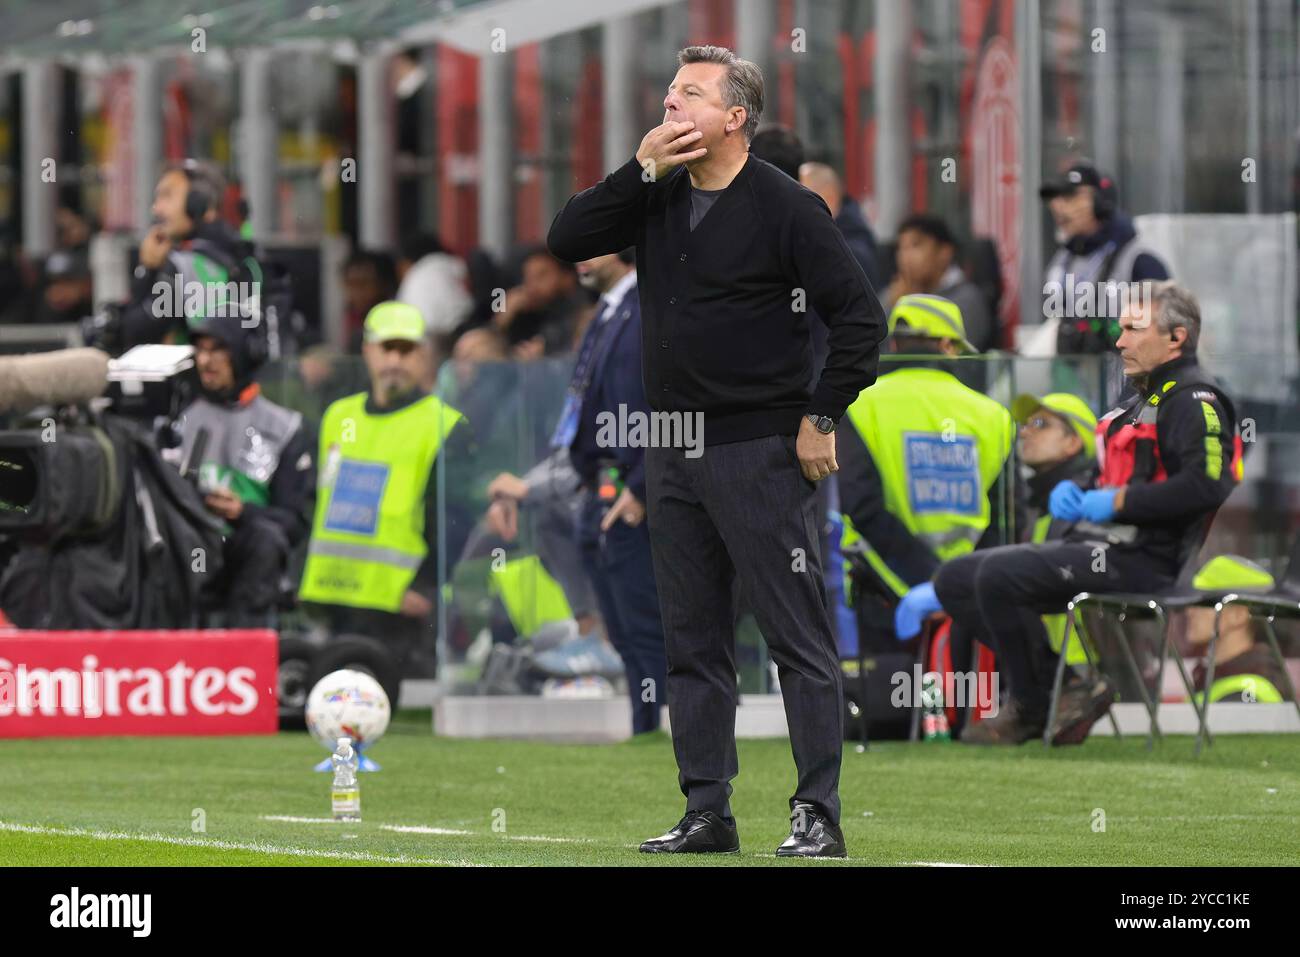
x=245, y=344
x=66, y=264
x=1080, y=174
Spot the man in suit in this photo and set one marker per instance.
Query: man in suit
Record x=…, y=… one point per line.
x=612, y=532
x=608, y=479
x=732, y=254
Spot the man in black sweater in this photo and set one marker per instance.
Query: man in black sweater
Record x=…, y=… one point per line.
x=732, y=256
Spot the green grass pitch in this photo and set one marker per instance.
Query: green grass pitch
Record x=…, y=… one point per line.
x=138, y=801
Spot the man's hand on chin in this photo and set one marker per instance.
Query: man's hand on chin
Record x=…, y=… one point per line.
x=816, y=451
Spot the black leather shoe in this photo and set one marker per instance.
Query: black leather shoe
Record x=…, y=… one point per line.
x=812, y=835
x=699, y=832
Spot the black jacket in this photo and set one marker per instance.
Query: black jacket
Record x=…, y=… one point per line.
x=1078, y=336
x=1119, y=230
x=855, y=229
x=216, y=242
x=725, y=308
x=1080, y=469
x=1195, y=416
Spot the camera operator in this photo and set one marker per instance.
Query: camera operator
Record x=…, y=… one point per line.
x=187, y=243
x=109, y=534
x=257, y=469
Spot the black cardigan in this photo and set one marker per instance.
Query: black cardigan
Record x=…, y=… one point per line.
x=725, y=308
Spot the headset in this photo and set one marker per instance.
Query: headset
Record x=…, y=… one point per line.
x=205, y=189
x=256, y=348
x=248, y=348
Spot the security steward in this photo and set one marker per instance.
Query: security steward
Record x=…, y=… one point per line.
x=256, y=470
x=372, y=561
x=920, y=471
x=1057, y=443
x=187, y=243
x=1168, y=457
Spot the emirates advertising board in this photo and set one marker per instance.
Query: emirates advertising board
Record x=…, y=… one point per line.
x=78, y=683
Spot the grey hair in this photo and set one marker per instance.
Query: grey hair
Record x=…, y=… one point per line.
x=1175, y=307
x=743, y=86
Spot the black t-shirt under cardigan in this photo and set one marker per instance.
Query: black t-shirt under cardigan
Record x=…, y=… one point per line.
x=725, y=307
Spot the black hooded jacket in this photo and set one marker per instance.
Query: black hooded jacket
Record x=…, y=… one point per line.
x=153, y=310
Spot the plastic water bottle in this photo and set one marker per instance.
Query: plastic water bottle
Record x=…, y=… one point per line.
x=347, y=791
x=934, y=721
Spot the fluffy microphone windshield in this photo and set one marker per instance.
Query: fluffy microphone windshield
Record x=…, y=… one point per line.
x=63, y=377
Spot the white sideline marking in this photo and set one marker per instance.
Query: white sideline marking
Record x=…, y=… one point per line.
x=399, y=828
x=552, y=840
x=424, y=829
x=937, y=864
x=427, y=829
x=257, y=847
x=1180, y=818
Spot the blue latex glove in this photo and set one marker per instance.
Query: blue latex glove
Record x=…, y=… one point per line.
x=1099, y=504
x=1066, y=502
x=919, y=603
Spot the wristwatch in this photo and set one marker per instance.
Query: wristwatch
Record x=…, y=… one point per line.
x=822, y=423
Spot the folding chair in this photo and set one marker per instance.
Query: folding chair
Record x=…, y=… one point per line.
x=1124, y=604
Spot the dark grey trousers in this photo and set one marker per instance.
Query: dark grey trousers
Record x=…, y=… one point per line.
x=743, y=510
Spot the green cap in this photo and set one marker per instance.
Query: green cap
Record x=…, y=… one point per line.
x=394, y=320
x=1231, y=572
x=932, y=317
x=1069, y=407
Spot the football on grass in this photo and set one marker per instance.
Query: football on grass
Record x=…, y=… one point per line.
x=347, y=704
